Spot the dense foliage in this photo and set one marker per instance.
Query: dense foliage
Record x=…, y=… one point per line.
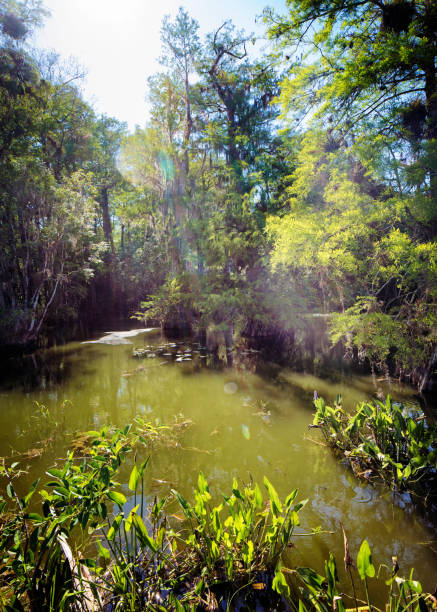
x=265, y=190
x=360, y=99
x=276, y=194
x=141, y=558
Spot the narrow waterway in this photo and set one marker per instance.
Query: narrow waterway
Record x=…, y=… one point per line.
x=238, y=423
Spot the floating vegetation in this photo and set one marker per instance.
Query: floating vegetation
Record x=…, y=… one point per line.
x=43, y=422
x=262, y=411
x=382, y=442
x=37, y=451
x=82, y=443
x=142, y=353
x=164, y=350
x=157, y=435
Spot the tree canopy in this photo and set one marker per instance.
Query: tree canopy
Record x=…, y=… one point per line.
x=265, y=190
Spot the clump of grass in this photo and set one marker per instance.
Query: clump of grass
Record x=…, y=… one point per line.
x=156, y=435
x=381, y=441
x=323, y=593
x=229, y=546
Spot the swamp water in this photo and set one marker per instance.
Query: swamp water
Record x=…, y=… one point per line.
x=243, y=425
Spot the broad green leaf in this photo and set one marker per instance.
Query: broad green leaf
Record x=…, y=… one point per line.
x=202, y=484
x=236, y=490
x=31, y=491
x=364, y=561
x=274, y=497
x=290, y=499
x=143, y=466
x=280, y=584
x=103, y=552
x=55, y=473
x=128, y=521
x=133, y=478
x=114, y=527
x=257, y=497
x=143, y=534
x=117, y=498
x=183, y=502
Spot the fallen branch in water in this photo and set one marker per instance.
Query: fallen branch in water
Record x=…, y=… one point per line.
x=316, y=442
x=81, y=579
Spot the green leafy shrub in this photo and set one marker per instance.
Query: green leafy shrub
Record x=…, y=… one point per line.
x=171, y=305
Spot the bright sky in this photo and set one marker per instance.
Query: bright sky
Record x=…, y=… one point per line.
x=118, y=42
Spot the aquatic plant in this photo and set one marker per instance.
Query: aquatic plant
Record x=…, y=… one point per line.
x=37, y=568
x=85, y=546
x=322, y=593
x=380, y=440
x=228, y=546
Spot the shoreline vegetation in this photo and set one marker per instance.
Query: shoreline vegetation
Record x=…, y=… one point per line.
x=80, y=541
x=382, y=442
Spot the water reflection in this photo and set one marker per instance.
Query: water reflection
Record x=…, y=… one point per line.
x=248, y=421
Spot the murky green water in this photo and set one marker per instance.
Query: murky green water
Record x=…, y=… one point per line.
x=244, y=425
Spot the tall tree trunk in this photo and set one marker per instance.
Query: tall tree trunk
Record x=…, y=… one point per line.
x=188, y=125
x=107, y=226
x=107, y=230
x=429, y=69
x=122, y=241
x=429, y=372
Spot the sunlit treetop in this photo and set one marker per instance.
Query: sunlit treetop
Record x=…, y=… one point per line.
x=354, y=59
